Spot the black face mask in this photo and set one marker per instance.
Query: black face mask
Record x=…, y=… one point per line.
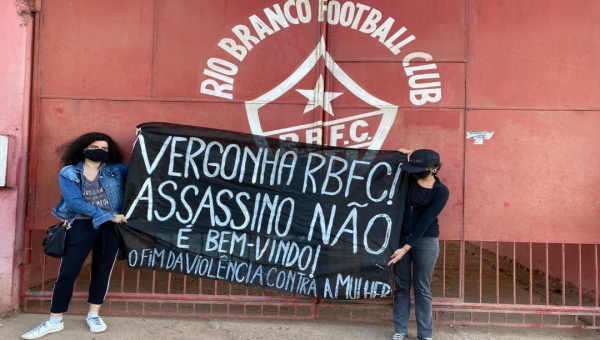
x=422, y=174
x=96, y=155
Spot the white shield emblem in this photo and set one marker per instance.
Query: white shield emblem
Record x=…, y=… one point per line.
x=382, y=113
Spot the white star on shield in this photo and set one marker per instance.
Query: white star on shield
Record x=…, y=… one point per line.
x=317, y=97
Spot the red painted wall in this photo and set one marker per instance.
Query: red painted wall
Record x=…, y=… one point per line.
x=532, y=78
x=524, y=70
x=15, y=65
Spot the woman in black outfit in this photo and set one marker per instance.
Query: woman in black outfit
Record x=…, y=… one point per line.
x=414, y=261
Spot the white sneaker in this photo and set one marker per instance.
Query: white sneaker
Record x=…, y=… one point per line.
x=96, y=324
x=44, y=329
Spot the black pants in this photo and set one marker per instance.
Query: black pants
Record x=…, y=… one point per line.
x=80, y=240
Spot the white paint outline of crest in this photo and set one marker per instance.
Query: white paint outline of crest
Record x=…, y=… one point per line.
x=389, y=110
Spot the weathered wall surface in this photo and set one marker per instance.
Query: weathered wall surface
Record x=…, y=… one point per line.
x=15, y=65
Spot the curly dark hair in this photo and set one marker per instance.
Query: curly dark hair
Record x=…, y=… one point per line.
x=72, y=152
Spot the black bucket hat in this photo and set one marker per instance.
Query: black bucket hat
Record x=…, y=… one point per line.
x=421, y=160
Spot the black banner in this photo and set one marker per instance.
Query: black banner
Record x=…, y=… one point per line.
x=304, y=219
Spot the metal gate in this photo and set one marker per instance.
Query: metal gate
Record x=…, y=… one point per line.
x=520, y=242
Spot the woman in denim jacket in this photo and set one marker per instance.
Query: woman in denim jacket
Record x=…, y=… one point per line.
x=91, y=183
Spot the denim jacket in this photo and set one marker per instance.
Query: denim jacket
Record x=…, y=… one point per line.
x=70, y=181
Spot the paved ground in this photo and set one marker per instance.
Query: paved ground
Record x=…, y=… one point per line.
x=143, y=328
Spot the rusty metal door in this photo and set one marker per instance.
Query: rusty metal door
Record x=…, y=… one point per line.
x=461, y=77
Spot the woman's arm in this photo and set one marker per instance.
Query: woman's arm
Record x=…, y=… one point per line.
x=437, y=204
x=123, y=168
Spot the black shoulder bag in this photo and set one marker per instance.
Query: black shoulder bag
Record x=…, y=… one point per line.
x=54, y=241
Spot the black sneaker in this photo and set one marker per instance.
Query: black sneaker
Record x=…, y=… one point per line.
x=399, y=336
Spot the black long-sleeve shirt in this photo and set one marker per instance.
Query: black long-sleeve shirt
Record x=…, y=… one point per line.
x=421, y=220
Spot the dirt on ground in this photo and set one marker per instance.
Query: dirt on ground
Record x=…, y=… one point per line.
x=145, y=328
